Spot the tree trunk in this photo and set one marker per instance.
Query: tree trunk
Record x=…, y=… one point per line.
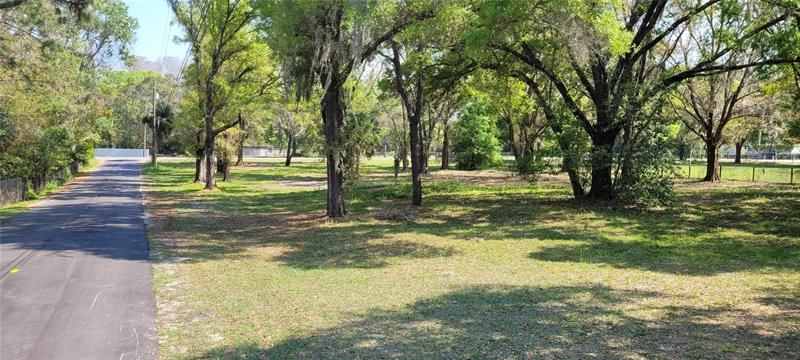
x=226, y=168
x=526, y=148
x=425, y=155
x=204, y=169
x=405, y=160
x=198, y=166
x=568, y=165
x=739, y=145
x=512, y=141
x=574, y=181
x=38, y=182
x=712, y=161
x=445, y=148
x=289, y=150
x=240, y=154
x=416, y=161
x=223, y=166
x=240, y=145
x=209, y=165
x=333, y=117
x=602, y=157
x=208, y=143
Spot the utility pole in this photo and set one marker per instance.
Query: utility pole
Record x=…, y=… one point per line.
x=155, y=128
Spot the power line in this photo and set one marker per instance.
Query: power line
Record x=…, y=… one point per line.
x=189, y=49
x=163, y=50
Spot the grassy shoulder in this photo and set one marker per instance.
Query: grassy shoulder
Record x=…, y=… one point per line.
x=489, y=267
x=51, y=187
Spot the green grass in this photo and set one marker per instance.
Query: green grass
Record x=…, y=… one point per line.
x=489, y=267
x=16, y=208
x=764, y=172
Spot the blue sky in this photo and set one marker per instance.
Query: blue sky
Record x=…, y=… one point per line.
x=154, y=18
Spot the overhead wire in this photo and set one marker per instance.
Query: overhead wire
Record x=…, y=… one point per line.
x=185, y=61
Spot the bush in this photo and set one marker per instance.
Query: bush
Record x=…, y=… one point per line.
x=475, y=144
x=532, y=165
x=361, y=136
x=646, y=169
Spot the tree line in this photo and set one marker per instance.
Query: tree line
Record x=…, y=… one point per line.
x=616, y=89
x=54, y=57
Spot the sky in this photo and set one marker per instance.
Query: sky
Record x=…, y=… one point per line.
x=154, y=17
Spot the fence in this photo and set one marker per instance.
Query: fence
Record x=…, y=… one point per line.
x=105, y=152
x=61, y=176
x=755, y=172
x=260, y=151
x=11, y=191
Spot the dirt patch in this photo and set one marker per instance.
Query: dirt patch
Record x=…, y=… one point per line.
x=404, y=214
x=310, y=184
x=693, y=184
x=482, y=177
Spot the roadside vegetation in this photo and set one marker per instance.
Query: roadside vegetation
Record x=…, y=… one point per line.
x=491, y=267
x=32, y=197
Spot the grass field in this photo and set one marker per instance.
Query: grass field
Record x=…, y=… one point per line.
x=764, y=171
x=490, y=267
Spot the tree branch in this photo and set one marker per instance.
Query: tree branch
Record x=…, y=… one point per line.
x=718, y=69
x=221, y=129
x=656, y=40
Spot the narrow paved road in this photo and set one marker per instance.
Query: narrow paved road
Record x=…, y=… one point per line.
x=75, y=280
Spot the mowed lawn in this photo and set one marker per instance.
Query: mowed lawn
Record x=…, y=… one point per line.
x=782, y=173
x=490, y=267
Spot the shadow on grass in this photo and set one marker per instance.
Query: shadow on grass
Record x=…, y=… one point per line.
x=693, y=238
x=563, y=322
x=705, y=234
x=704, y=258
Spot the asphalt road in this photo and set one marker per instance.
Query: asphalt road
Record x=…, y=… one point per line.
x=75, y=280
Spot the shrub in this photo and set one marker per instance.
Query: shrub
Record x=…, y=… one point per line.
x=532, y=165
x=646, y=170
x=475, y=144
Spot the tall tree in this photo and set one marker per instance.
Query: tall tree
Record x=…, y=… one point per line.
x=322, y=41
x=288, y=122
x=619, y=56
x=128, y=96
x=163, y=127
x=709, y=103
x=392, y=117
x=225, y=60
x=513, y=102
x=443, y=104
x=412, y=99
x=48, y=97
x=108, y=33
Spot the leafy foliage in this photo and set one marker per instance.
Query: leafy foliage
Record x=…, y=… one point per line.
x=362, y=136
x=475, y=145
x=52, y=108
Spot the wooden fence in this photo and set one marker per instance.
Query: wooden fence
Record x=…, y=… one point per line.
x=12, y=191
